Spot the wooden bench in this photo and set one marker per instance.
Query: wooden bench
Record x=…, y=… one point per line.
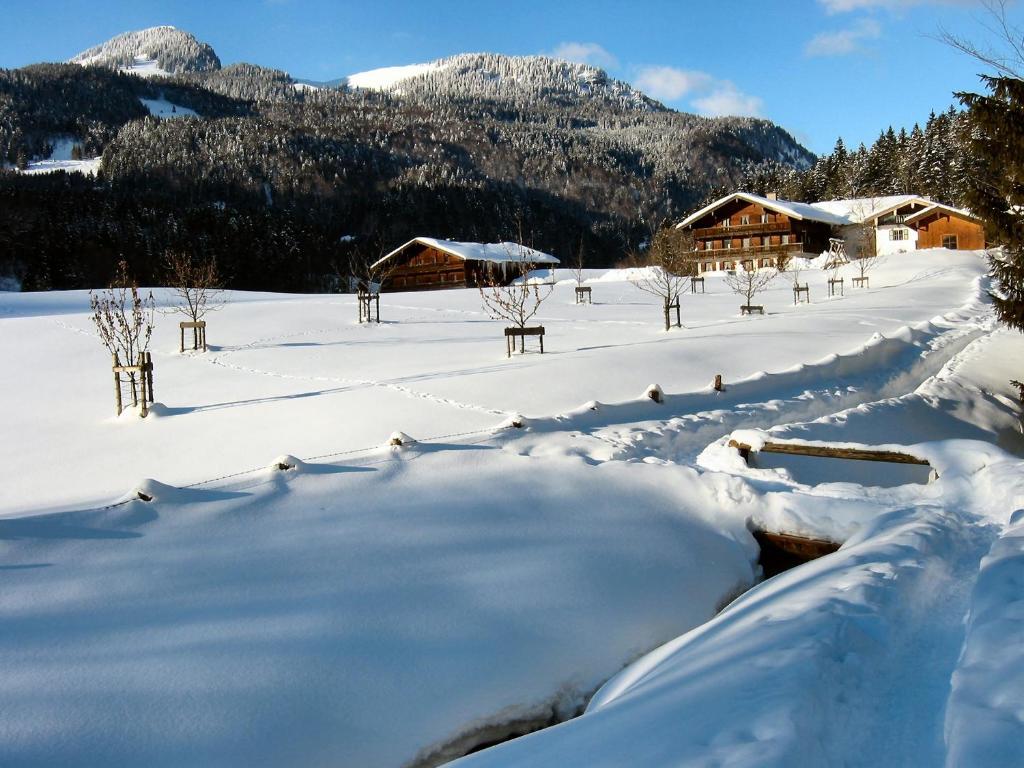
x=861, y=282
x=804, y=289
x=749, y=309
x=521, y=333
x=198, y=334
x=832, y=286
x=693, y=284
x=584, y=291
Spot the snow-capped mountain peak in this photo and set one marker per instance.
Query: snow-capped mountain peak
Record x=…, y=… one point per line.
x=497, y=76
x=161, y=50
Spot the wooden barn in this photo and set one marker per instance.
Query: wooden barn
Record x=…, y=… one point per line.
x=425, y=263
x=750, y=230
x=942, y=226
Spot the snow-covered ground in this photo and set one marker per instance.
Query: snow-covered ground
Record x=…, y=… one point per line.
x=60, y=160
x=166, y=109
x=380, y=605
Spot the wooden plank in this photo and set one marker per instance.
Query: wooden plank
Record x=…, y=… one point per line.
x=858, y=454
x=535, y=331
x=801, y=546
x=189, y=324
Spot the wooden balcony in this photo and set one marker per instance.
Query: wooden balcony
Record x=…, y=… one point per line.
x=743, y=229
x=758, y=251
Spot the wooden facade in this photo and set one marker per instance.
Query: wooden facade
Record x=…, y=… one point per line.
x=741, y=232
x=424, y=265
x=421, y=267
x=942, y=227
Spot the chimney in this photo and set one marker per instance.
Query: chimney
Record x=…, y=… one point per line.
x=772, y=195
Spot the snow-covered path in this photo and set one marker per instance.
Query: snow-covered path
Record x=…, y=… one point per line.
x=847, y=660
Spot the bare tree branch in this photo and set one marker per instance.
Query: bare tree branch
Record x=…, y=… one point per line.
x=666, y=268
x=1006, y=56
x=196, y=284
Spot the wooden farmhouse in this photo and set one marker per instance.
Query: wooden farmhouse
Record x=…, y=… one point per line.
x=425, y=263
x=941, y=226
x=751, y=231
x=886, y=217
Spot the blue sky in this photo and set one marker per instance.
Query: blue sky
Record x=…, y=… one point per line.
x=820, y=68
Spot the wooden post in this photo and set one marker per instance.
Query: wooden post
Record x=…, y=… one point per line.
x=718, y=383
x=149, y=374
x=117, y=384
x=181, y=327
x=142, y=382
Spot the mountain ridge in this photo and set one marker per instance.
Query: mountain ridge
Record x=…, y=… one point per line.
x=154, y=51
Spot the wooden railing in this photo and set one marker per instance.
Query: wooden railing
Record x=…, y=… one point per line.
x=751, y=250
x=735, y=229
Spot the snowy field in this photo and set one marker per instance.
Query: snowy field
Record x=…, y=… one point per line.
x=389, y=606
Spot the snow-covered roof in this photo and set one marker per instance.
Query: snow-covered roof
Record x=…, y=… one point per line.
x=857, y=210
x=941, y=208
x=494, y=252
x=799, y=211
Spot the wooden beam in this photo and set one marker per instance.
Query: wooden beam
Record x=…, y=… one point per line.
x=859, y=454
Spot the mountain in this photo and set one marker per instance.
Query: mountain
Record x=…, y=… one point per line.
x=154, y=51
x=496, y=77
x=268, y=173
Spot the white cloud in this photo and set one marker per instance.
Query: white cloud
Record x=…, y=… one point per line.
x=670, y=83
x=585, y=53
x=725, y=99
x=708, y=95
x=844, y=41
x=846, y=6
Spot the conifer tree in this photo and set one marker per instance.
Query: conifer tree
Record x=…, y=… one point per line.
x=996, y=191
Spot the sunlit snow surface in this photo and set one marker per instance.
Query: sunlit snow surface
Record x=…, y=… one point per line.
x=374, y=603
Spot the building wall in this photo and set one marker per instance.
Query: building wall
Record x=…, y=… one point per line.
x=895, y=238
x=970, y=235
x=754, y=234
x=423, y=268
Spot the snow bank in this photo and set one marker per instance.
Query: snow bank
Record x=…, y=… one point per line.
x=789, y=674
x=985, y=718
x=368, y=612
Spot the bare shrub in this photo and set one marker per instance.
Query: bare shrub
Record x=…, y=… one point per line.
x=666, y=268
x=124, y=320
x=517, y=302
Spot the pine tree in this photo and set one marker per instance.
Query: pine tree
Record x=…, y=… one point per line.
x=996, y=193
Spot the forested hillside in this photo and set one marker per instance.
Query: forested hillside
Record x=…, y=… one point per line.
x=272, y=175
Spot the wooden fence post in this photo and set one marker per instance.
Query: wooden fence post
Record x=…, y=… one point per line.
x=142, y=382
x=117, y=384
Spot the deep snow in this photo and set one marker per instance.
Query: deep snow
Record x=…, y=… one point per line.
x=378, y=605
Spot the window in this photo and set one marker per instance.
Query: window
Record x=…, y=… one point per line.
x=746, y=242
x=949, y=241
x=728, y=243
x=785, y=239
x=764, y=218
x=899, y=234
x=744, y=220
x=726, y=223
